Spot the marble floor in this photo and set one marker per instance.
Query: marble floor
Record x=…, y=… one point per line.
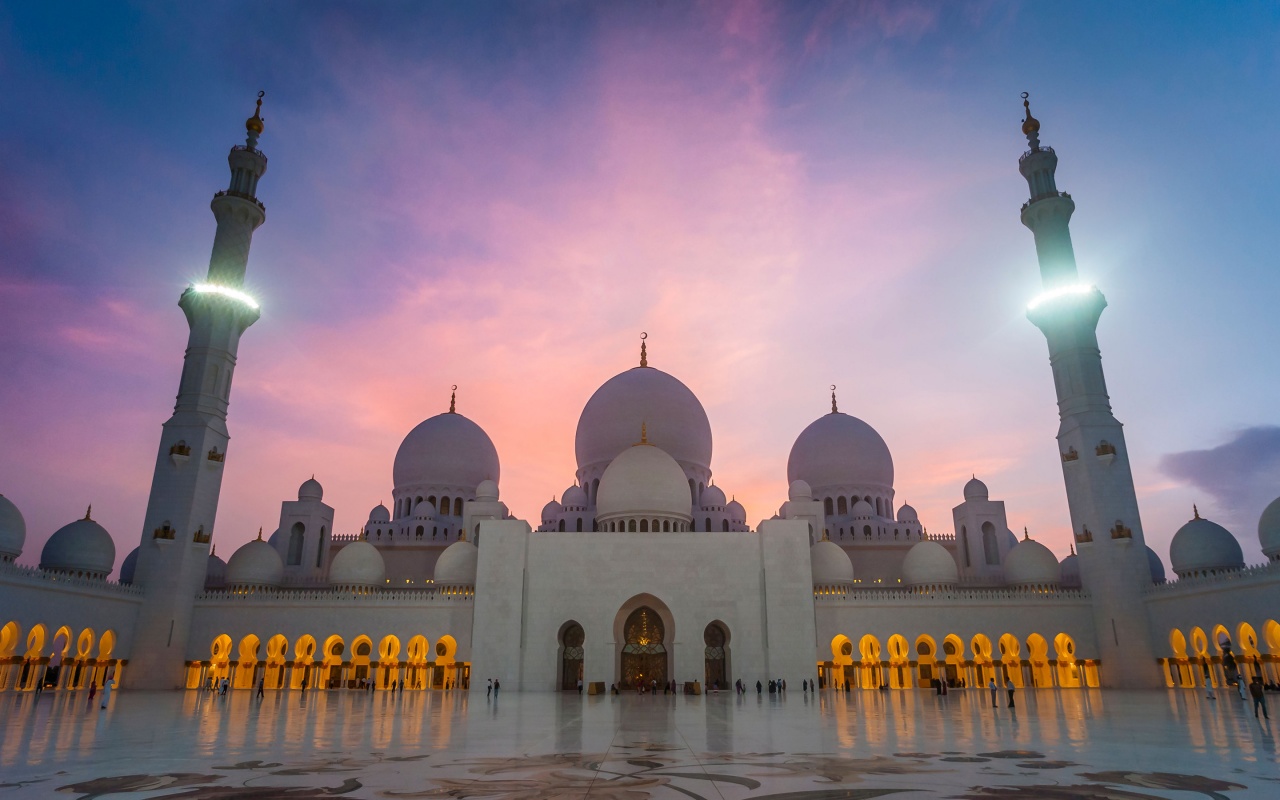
x=1061, y=745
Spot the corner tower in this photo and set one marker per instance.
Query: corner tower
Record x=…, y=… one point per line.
x=1091, y=446
x=173, y=554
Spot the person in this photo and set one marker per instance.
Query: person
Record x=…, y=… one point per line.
x=107, y=686
x=993, y=693
x=1241, y=689
x=579, y=685
x=804, y=686
x=93, y=689
x=654, y=683
x=782, y=682
x=1259, y=699
x=759, y=687
x=488, y=690
x=262, y=682
x=613, y=687
x=1009, y=685
x=496, y=686
x=304, y=681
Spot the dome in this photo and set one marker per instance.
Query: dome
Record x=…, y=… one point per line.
x=128, y=567
x=447, y=450
x=574, y=497
x=457, y=564
x=552, y=510
x=1031, y=563
x=713, y=497
x=831, y=563
x=1268, y=530
x=907, y=514
x=1201, y=546
x=643, y=481
x=736, y=511
x=83, y=546
x=13, y=529
x=215, y=572
x=929, y=564
x=311, y=490
x=487, y=491
x=1157, y=566
x=975, y=490
x=423, y=510
x=839, y=450
x=1011, y=539
x=862, y=510
x=676, y=421
x=379, y=513
x=800, y=490
x=357, y=564
x=255, y=564
x=1070, y=570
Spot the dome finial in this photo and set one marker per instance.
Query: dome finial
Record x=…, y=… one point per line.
x=254, y=124
x=259, y=534
x=1194, y=510
x=453, y=400
x=1072, y=545
x=214, y=551
x=1030, y=125
x=1025, y=535
x=88, y=511
x=834, y=410
x=644, y=354
x=644, y=433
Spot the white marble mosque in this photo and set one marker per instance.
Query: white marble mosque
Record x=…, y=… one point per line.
x=842, y=585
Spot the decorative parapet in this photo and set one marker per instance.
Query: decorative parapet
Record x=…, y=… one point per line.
x=333, y=594
x=242, y=195
x=214, y=455
x=1121, y=531
x=940, y=537
x=1071, y=455
x=200, y=537
x=165, y=531
x=1085, y=535
x=1104, y=448
x=180, y=449
x=33, y=576
x=1257, y=574
x=851, y=595
x=346, y=537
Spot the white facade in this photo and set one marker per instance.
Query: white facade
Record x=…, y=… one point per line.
x=643, y=570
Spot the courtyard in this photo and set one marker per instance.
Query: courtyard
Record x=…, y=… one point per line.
x=1055, y=743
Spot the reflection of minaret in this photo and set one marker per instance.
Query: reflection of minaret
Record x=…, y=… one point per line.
x=173, y=555
x=1095, y=461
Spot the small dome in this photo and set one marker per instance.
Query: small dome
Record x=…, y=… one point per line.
x=128, y=567
x=424, y=510
x=907, y=514
x=311, y=490
x=736, y=511
x=643, y=481
x=448, y=451
x=1157, y=566
x=862, y=510
x=838, y=450
x=380, y=513
x=1070, y=571
x=1011, y=539
x=929, y=564
x=1031, y=563
x=255, y=564
x=1268, y=530
x=1201, y=546
x=552, y=510
x=976, y=490
x=457, y=565
x=831, y=563
x=83, y=546
x=215, y=572
x=713, y=497
x=487, y=491
x=13, y=529
x=358, y=564
x=574, y=497
x=800, y=490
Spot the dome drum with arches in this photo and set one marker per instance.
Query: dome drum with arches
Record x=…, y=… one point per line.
x=447, y=454
x=838, y=454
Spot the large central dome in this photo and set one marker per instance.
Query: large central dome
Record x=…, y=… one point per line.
x=838, y=450
x=447, y=450
x=675, y=420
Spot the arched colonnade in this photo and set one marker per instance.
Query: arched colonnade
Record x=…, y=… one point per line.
x=56, y=658
x=1199, y=657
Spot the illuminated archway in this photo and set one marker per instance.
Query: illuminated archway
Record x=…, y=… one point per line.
x=953, y=651
x=419, y=654
x=304, y=651
x=10, y=636
x=1068, y=669
x=1249, y=657
x=361, y=660
x=984, y=668
x=220, y=658
x=869, y=666
x=333, y=666
x=926, y=661
x=1038, y=655
x=277, y=655
x=246, y=671
x=1011, y=660
x=899, y=662
x=840, y=670
x=388, y=662
x=448, y=673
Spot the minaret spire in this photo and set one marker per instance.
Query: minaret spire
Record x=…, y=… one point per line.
x=644, y=354
x=1100, y=491
x=453, y=400
x=834, y=409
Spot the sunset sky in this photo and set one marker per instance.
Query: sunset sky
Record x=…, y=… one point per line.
x=503, y=196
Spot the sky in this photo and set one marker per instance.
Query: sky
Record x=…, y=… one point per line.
x=503, y=196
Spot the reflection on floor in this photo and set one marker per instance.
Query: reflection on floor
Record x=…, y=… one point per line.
x=1062, y=745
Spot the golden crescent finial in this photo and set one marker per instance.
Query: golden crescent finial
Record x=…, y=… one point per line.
x=1194, y=510
x=644, y=355
x=88, y=511
x=453, y=400
x=259, y=534
x=254, y=123
x=834, y=409
x=1030, y=125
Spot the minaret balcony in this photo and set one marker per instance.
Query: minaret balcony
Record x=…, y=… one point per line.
x=200, y=537
x=1105, y=451
x=1121, y=531
x=1085, y=536
x=215, y=458
x=1071, y=455
x=242, y=196
x=166, y=532
x=180, y=454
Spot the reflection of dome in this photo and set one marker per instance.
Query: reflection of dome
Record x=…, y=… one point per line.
x=380, y=513
x=929, y=564
x=800, y=490
x=83, y=546
x=487, y=491
x=128, y=567
x=311, y=490
x=644, y=481
x=907, y=514
x=831, y=563
x=215, y=572
x=255, y=564
x=676, y=420
x=713, y=497
x=457, y=565
x=1157, y=566
x=13, y=530
x=1268, y=530
x=1069, y=569
x=1030, y=563
x=1202, y=546
x=975, y=490
x=357, y=564
x=839, y=450
x=447, y=450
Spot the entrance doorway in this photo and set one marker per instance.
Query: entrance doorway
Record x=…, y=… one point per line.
x=571, y=655
x=717, y=670
x=644, y=656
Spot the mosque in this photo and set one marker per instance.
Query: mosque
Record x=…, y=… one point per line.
x=842, y=585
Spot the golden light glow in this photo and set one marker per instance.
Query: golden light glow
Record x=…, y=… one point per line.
x=225, y=291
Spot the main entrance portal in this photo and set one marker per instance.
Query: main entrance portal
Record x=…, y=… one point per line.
x=644, y=657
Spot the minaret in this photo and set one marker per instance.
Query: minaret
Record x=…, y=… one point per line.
x=173, y=554
x=1095, y=461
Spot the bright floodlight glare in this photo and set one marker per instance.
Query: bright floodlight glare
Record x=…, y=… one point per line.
x=226, y=291
x=1061, y=291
